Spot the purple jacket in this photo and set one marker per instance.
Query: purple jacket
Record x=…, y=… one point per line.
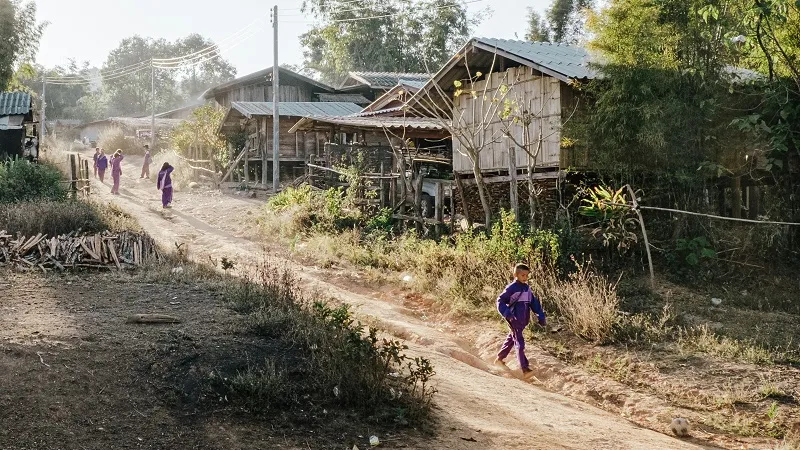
x=516, y=303
x=102, y=162
x=116, y=162
x=164, y=178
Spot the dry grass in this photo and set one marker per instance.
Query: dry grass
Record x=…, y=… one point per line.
x=701, y=339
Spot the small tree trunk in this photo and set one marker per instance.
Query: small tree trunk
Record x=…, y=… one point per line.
x=487, y=208
x=514, y=187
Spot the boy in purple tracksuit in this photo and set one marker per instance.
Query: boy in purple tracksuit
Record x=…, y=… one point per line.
x=515, y=305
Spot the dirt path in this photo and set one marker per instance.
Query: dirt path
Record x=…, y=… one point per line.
x=478, y=407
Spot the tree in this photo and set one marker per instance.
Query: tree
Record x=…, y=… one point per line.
x=401, y=36
x=196, y=79
x=131, y=94
x=19, y=39
x=199, y=136
x=538, y=29
x=566, y=20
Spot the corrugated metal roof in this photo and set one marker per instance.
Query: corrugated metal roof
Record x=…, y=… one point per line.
x=388, y=80
x=297, y=109
x=416, y=84
x=371, y=122
x=366, y=113
x=265, y=76
x=349, y=98
x=14, y=103
x=568, y=60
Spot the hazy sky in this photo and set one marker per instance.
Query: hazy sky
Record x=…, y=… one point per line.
x=87, y=30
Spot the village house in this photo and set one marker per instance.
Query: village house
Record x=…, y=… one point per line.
x=248, y=120
x=16, y=115
x=373, y=85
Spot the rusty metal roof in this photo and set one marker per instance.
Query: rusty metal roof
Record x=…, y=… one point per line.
x=296, y=109
x=369, y=122
x=15, y=103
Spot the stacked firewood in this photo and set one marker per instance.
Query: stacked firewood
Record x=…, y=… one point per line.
x=99, y=251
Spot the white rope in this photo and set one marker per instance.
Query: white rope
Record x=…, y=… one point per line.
x=710, y=216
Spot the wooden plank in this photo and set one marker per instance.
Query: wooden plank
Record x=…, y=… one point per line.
x=152, y=318
x=416, y=219
x=506, y=178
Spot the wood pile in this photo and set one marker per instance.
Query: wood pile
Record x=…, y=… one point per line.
x=98, y=251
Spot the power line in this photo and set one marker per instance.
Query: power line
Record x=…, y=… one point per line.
x=209, y=57
x=212, y=48
x=383, y=16
x=301, y=9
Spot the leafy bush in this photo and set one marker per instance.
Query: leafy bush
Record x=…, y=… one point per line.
x=334, y=359
x=21, y=181
x=308, y=209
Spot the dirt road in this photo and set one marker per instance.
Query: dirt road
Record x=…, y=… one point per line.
x=478, y=407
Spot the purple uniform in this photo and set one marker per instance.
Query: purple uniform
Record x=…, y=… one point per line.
x=102, y=165
x=146, y=166
x=165, y=185
x=515, y=305
x=116, y=172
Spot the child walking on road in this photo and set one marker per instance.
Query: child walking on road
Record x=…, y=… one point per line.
x=165, y=185
x=147, y=161
x=102, y=165
x=515, y=305
x=95, y=157
x=116, y=170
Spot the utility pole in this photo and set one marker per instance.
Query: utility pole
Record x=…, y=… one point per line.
x=43, y=128
x=152, y=106
x=276, y=129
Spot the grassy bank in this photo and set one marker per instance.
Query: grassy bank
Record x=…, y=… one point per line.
x=673, y=330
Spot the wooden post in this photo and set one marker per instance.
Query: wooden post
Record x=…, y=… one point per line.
x=383, y=186
x=418, y=181
x=452, y=207
x=736, y=197
x=86, y=177
x=392, y=192
x=439, y=207
x=464, y=206
x=644, y=235
x=247, y=168
x=513, y=188
x=73, y=175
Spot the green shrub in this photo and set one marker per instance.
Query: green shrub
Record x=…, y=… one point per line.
x=333, y=360
x=21, y=181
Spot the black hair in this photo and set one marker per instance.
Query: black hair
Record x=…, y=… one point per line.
x=521, y=267
x=166, y=164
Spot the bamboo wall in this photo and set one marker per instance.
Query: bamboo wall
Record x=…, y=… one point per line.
x=539, y=95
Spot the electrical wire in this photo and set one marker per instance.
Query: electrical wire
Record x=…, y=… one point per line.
x=210, y=57
x=383, y=16
x=109, y=72
x=214, y=47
